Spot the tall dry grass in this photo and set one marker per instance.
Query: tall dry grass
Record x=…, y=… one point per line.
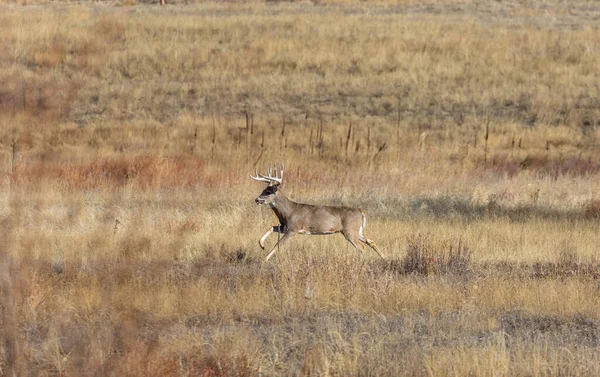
x=467, y=130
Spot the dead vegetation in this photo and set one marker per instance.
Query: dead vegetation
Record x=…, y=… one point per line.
x=446, y=257
x=467, y=130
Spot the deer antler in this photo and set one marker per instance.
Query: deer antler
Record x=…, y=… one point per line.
x=259, y=177
x=270, y=178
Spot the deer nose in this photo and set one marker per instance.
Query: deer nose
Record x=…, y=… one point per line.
x=259, y=201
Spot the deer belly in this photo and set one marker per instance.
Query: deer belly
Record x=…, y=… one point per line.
x=319, y=225
x=316, y=232
x=320, y=229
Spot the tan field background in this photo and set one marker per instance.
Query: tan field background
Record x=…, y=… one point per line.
x=469, y=131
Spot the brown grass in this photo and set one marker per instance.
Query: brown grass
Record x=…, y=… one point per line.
x=128, y=228
x=424, y=257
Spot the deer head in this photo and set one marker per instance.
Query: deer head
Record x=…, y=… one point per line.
x=268, y=195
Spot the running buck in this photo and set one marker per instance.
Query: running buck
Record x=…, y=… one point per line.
x=309, y=219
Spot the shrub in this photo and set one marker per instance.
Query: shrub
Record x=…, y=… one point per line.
x=425, y=256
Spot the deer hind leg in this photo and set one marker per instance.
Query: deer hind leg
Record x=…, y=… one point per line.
x=276, y=229
x=353, y=242
x=362, y=238
x=279, y=244
x=371, y=244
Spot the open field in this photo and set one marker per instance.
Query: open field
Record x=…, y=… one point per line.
x=469, y=131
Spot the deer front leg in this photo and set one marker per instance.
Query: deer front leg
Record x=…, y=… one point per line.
x=261, y=242
x=281, y=242
x=276, y=229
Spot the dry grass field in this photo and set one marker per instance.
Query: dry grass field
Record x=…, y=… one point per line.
x=468, y=130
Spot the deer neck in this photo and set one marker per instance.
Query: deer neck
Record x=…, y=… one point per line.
x=282, y=207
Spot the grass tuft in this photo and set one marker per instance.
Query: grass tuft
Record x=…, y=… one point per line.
x=426, y=257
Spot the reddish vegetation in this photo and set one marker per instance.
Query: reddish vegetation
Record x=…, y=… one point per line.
x=144, y=172
x=544, y=164
x=43, y=98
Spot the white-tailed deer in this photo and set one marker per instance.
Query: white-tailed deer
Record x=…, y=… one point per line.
x=298, y=218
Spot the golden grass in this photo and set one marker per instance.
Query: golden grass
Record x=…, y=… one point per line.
x=467, y=130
